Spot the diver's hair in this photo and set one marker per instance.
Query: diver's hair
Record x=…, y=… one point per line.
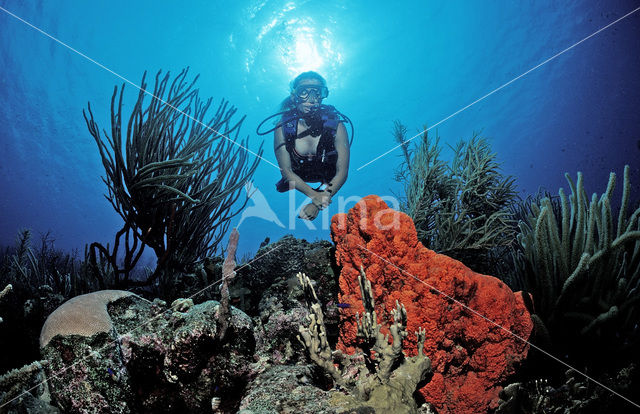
x=287, y=103
x=307, y=75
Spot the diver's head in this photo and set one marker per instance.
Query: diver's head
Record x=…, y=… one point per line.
x=307, y=91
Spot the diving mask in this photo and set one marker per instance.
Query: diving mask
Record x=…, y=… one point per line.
x=305, y=91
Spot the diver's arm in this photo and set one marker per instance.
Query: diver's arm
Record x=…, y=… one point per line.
x=284, y=161
x=342, y=164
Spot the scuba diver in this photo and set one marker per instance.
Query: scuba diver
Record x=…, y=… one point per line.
x=311, y=143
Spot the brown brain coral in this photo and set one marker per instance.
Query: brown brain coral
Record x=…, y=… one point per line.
x=84, y=315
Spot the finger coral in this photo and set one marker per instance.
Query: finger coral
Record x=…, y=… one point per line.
x=386, y=379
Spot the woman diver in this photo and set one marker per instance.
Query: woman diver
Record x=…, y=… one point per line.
x=311, y=143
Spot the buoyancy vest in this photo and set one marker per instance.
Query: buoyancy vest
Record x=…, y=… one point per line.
x=320, y=167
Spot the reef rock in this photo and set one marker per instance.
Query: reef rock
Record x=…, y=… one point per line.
x=287, y=389
x=476, y=326
x=272, y=272
x=115, y=352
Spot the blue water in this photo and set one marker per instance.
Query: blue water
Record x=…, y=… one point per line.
x=420, y=63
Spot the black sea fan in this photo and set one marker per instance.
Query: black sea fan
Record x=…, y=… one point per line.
x=174, y=175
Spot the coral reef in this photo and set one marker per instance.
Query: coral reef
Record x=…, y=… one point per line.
x=29, y=268
x=41, y=278
x=228, y=274
x=286, y=389
x=5, y=291
x=136, y=340
x=84, y=315
x=277, y=388
x=153, y=359
x=174, y=178
x=476, y=327
x=460, y=208
x=274, y=297
x=272, y=277
x=582, y=266
x=21, y=383
x=576, y=394
x=384, y=380
x=25, y=390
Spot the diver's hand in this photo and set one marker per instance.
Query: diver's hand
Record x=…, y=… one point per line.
x=321, y=199
x=309, y=212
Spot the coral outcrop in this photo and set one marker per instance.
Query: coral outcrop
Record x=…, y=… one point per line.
x=267, y=289
x=272, y=274
x=287, y=389
x=476, y=327
x=25, y=390
x=84, y=315
x=147, y=357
